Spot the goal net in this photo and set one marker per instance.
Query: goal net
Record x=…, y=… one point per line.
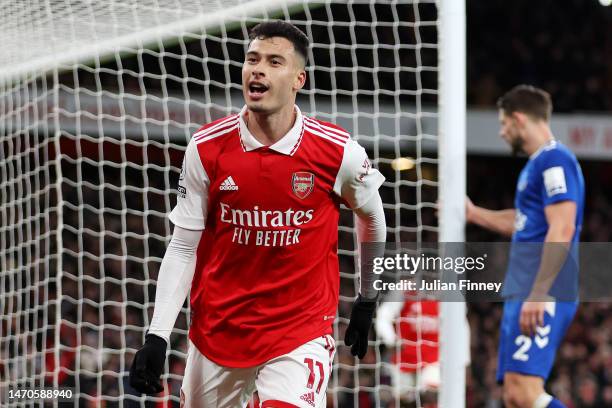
x=98, y=100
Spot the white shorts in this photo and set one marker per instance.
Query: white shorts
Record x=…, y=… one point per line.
x=296, y=379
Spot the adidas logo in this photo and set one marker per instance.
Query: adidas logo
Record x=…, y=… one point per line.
x=309, y=398
x=228, y=184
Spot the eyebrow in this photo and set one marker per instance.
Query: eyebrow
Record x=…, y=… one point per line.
x=270, y=56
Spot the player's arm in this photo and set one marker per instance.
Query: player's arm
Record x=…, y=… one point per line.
x=500, y=221
x=174, y=280
x=560, y=195
x=358, y=183
x=176, y=272
x=173, y=283
x=371, y=231
x=560, y=217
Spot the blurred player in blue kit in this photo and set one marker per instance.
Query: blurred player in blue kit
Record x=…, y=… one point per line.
x=541, y=285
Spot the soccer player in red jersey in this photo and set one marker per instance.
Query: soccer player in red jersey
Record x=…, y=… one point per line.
x=413, y=326
x=255, y=238
x=409, y=326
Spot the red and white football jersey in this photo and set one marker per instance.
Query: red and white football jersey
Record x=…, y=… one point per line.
x=266, y=278
x=418, y=328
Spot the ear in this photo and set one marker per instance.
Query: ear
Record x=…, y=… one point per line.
x=300, y=80
x=519, y=118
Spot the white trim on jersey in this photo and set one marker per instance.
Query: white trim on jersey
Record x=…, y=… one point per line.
x=214, y=135
x=335, y=133
x=286, y=145
x=191, y=208
x=299, y=142
x=325, y=136
x=334, y=130
x=208, y=130
x=551, y=144
x=356, y=180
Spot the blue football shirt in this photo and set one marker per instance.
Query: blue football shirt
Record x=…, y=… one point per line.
x=551, y=175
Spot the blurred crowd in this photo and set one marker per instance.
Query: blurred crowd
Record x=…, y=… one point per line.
x=565, y=48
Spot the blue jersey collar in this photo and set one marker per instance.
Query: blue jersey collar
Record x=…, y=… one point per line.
x=551, y=144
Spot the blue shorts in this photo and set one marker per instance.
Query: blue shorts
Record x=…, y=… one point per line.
x=532, y=355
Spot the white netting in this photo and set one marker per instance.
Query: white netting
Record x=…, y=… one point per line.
x=98, y=100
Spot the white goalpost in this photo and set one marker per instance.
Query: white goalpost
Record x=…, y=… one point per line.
x=98, y=100
x=452, y=190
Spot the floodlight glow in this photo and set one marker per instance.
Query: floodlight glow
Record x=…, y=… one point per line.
x=402, y=163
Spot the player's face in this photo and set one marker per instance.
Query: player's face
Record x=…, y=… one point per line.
x=272, y=74
x=510, y=131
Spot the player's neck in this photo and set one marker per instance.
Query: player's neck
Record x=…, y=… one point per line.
x=270, y=128
x=542, y=136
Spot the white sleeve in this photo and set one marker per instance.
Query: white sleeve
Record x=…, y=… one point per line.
x=371, y=228
x=174, y=280
x=192, y=198
x=356, y=181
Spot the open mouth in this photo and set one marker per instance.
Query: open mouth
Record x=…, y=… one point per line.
x=256, y=90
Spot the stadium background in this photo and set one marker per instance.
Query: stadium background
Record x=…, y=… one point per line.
x=564, y=48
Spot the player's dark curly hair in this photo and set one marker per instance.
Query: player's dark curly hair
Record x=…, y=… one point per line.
x=527, y=99
x=279, y=28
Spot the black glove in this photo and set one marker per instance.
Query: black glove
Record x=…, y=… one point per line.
x=148, y=365
x=359, y=326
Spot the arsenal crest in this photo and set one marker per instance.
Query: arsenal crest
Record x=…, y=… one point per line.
x=302, y=183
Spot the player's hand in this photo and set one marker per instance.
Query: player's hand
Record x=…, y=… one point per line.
x=148, y=365
x=469, y=209
x=358, y=329
x=532, y=316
